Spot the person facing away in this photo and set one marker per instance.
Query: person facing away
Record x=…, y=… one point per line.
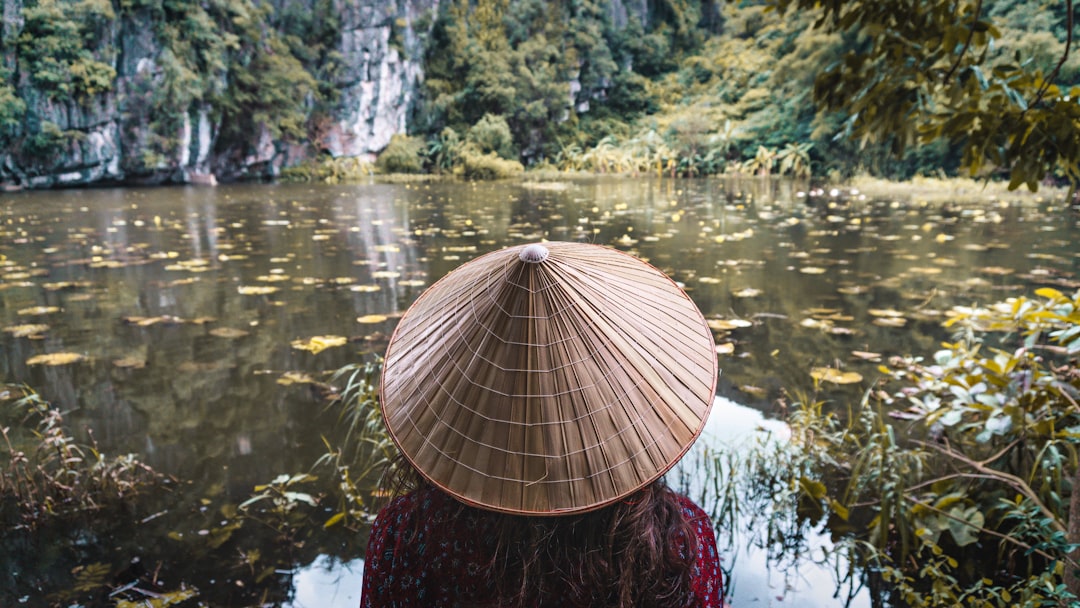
x=537, y=396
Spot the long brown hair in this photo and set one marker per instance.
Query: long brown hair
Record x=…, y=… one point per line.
x=636, y=553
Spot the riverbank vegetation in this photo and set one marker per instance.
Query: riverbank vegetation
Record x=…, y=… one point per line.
x=949, y=482
x=708, y=88
x=72, y=517
x=673, y=87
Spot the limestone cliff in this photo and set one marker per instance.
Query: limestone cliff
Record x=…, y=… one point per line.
x=82, y=131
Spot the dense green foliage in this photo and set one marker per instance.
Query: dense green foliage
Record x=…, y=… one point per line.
x=995, y=79
x=958, y=473
x=679, y=87
x=696, y=88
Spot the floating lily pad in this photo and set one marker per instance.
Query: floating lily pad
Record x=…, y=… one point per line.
x=812, y=270
x=26, y=330
x=831, y=374
x=371, y=319
x=317, y=344
x=726, y=348
x=55, y=359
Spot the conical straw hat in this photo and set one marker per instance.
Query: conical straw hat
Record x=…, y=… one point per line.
x=548, y=379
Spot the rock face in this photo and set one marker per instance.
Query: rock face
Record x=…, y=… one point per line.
x=383, y=56
x=105, y=137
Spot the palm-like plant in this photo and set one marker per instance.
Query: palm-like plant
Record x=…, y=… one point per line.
x=795, y=159
x=763, y=161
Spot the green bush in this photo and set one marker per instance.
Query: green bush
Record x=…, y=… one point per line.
x=492, y=134
x=477, y=165
x=402, y=155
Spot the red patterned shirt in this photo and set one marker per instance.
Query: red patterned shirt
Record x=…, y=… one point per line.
x=439, y=566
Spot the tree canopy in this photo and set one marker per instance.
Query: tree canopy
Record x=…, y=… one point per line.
x=916, y=72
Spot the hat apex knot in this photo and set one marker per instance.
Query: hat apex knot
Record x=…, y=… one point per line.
x=534, y=254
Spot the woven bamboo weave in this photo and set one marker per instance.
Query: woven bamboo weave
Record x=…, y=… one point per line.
x=548, y=379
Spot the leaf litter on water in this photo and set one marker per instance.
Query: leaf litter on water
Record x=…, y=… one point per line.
x=26, y=330
x=53, y=359
x=831, y=374
x=317, y=344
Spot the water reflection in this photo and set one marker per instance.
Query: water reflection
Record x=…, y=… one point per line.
x=185, y=301
x=327, y=583
x=754, y=579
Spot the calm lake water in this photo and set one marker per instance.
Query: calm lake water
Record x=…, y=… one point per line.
x=186, y=306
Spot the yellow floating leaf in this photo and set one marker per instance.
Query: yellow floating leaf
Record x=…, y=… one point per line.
x=890, y=322
x=343, y=280
x=831, y=374
x=385, y=274
x=130, y=363
x=1049, y=292
x=317, y=344
x=295, y=378
x=148, y=321
x=709, y=280
x=866, y=355
x=927, y=270
x=55, y=359
x=727, y=324
x=853, y=289
x=371, y=319
x=885, y=312
x=26, y=330
x=821, y=324
x=365, y=288
x=272, y=278
x=228, y=332
x=812, y=270
x=747, y=292
x=725, y=349
x=256, y=290
x=38, y=310
x=754, y=391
